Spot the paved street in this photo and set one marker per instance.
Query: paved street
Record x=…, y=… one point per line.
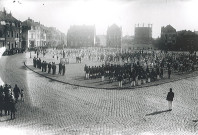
x=55, y=108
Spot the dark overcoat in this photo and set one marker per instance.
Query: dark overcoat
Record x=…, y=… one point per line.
x=170, y=96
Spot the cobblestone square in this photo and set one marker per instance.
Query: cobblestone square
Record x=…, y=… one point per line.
x=98, y=67
x=51, y=107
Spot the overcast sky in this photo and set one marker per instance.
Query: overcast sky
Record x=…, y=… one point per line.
x=181, y=14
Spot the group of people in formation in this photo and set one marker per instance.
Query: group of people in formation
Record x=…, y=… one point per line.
x=48, y=67
x=8, y=98
x=143, y=67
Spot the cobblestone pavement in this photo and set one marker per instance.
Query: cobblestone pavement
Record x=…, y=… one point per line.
x=55, y=108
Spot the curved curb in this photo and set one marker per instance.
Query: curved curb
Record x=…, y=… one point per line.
x=114, y=88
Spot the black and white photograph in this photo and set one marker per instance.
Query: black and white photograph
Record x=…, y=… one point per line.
x=98, y=67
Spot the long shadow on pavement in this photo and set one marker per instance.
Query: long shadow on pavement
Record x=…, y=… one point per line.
x=157, y=112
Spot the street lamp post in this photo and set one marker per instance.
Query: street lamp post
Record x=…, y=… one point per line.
x=30, y=48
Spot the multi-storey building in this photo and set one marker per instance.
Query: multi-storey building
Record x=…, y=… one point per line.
x=143, y=35
x=34, y=34
x=10, y=32
x=114, y=36
x=55, y=37
x=36, y=37
x=186, y=40
x=168, y=35
x=81, y=36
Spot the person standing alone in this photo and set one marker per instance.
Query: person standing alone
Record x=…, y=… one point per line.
x=169, y=98
x=16, y=92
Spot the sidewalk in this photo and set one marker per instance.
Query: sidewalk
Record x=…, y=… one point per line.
x=75, y=75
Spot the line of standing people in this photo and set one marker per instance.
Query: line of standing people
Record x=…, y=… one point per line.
x=51, y=66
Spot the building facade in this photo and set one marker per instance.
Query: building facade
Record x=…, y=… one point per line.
x=55, y=38
x=168, y=35
x=10, y=32
x=114, y=36
x=101, y=40
x=34, y=34
x=36, y=37
x=143, y=35
x=186, y=40
x=81, y=36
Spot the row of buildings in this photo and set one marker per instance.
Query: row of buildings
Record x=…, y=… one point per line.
x=35, y=34
x=85, y=36
x=17, y=35
x=178, y=40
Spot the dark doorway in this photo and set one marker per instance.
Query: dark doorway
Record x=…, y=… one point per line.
x=31, y=44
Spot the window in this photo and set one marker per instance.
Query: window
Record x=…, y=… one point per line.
x=17, y=35
x=166, y=36
x=8, y=33
x=8, y=43
x=1, y=33
x=12, y=33
x=174, y=41
x=32, y=35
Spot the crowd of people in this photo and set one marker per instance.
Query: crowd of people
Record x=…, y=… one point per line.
x=141, y=67
x=48, y=67
x=8, y=98
x=132, y=66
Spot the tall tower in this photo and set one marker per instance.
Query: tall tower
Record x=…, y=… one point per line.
x=143, y=35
